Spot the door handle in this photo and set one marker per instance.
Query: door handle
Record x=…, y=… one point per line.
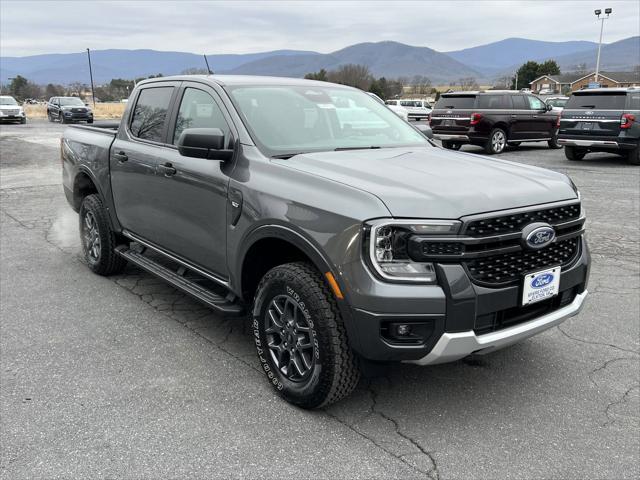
x=121, y=157
x=513, y=116
x=535, y=116
x=167, y=169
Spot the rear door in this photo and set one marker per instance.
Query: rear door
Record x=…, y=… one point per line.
x=452, y=114
x=593, y=114
x=135, y=155
x=520, y=116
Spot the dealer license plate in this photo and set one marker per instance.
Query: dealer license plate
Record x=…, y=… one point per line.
x=448, y=123
x=541, y=285
x=586, y=125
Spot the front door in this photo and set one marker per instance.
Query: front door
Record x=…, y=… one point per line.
x=191, y=193
x=542, y=122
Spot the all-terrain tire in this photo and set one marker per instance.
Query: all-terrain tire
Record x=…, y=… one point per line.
x=574, y=154
x=95, y=230
x=496, y=142
x=333, y=372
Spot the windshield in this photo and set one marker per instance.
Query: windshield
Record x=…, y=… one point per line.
x=286, y=120
x=599, y=101
x=557, y=102
x=8, y=101
x=71, y=101
x=451, y=102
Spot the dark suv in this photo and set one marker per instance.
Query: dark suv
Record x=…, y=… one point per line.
x=68, y=109
x=602, y=120
x=493, y=119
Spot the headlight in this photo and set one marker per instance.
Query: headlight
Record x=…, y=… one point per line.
x=388, y=252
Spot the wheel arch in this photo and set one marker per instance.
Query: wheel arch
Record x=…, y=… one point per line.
x=270, y=245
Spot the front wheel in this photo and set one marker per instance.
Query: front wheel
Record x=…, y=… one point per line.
x=301, y=339
x=90, y=121
x=98, y=238
x=497, y=141
x=574, y=154
x=553, y=143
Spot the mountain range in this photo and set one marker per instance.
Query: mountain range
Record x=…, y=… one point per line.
x=389, y=59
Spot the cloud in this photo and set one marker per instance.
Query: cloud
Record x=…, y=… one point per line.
x=28, y=28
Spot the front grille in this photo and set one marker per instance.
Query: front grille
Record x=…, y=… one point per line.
x=507, y=268
x=491, y=322
x=11, y=112
x=79, y=110
x=442, y=248
x=514, y=223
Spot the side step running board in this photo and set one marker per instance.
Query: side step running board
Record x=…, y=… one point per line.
x=177, y=279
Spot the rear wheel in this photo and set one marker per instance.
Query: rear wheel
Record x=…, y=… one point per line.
x=497, y=141
x=300, y=337
x=98, y=238
x=574, y=154
x=49, y=117
x=633, y=156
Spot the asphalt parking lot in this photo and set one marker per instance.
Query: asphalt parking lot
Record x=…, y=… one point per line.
x=126, y=377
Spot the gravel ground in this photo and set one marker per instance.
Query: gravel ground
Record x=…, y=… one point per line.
x=126, y=377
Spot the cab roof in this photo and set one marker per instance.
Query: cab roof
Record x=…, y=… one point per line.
x=245, y=80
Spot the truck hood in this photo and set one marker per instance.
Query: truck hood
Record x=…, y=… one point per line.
x=430, y=182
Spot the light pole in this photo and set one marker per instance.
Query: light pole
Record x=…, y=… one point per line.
x=598, y=12
x=93, y=93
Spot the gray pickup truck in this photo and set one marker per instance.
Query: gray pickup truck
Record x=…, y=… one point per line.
x=343, y=232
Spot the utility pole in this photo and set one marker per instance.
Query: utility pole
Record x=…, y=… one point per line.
x=598, y=12
x=93, y=93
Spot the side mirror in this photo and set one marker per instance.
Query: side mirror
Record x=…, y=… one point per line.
x=203, y=143
x=425, y=130
x=548, y=107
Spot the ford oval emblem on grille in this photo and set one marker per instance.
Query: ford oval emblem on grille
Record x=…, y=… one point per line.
x=542, y=280
x=538, y=235
x=589, y=112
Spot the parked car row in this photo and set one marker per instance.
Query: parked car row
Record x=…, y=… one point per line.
x=595, y=120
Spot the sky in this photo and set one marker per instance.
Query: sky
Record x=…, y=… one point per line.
x=36, y=27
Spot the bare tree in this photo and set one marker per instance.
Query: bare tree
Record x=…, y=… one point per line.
x=353, y=75
x=467, y=83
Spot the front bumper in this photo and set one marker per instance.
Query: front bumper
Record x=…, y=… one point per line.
x=454, y=346
x=457, y=314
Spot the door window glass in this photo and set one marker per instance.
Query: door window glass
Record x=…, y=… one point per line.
x=492, y=102
x=150, y=113
x=519, y=103
x=535, y=103
x=199, y=110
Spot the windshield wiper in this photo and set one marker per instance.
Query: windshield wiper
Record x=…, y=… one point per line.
x=287, y=156
x=372, y=147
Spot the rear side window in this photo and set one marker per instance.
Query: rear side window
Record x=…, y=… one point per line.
x=199, y=110
x=150, y=113
x=519, y=102
x=599, y=101
x=492, y=102
x=460, y=101
x=634, y=101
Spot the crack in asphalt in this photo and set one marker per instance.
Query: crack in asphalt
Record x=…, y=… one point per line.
x=589, y=342
x=623, y=399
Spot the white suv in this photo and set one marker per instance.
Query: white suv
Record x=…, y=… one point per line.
x=10, y=110
x=418, y=109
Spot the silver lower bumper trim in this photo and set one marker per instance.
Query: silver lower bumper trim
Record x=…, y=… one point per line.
x=587, y=143
x=454, y=346
x=442, y=136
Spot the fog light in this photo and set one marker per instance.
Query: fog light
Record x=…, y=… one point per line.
x=403, y=330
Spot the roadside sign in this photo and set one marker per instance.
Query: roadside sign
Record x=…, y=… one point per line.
x=594, y=85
